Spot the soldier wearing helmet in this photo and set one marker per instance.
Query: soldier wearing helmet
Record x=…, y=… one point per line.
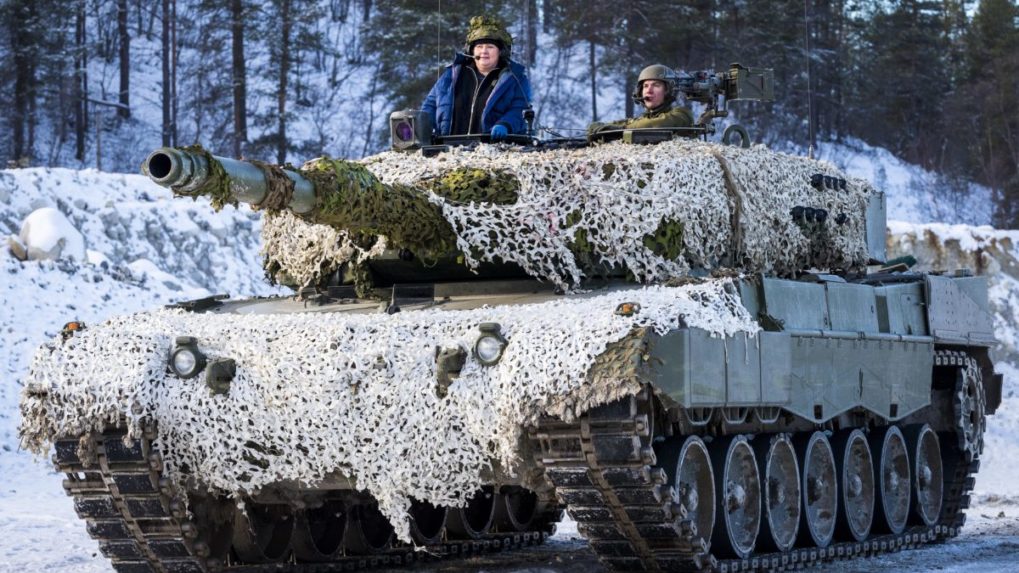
x=483, y=90
x=656, y=91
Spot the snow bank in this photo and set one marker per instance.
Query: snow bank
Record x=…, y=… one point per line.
x=47, y=234
x=144, y=249
x=126, y=218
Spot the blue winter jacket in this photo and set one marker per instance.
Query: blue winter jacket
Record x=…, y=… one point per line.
x=510, y=96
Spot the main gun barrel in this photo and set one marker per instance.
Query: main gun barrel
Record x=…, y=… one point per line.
x=193, y=173
x=342, y=194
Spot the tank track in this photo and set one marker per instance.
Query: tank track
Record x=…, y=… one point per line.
x=131, y=509
x=603, y=469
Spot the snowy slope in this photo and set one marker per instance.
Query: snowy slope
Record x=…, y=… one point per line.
x=147, y=250
x=914, y=194
x=144, y=250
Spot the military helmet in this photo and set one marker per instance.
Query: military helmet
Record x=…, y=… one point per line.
x=660, y=73
x=491, y=29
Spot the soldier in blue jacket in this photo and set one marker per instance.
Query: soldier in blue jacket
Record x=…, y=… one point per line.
x=482, y=91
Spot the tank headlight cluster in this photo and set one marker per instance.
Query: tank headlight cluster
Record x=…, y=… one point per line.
x=489, y=347
x=186, y=360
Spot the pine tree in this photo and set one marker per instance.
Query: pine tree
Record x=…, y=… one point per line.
x=901, y=88
x=35, y=57
x=993, y=90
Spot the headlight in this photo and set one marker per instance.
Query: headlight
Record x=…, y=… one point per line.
x=186, y=360
x=488, y=349
x=490, y=345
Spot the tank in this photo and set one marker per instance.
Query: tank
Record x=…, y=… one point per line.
x=698, y=351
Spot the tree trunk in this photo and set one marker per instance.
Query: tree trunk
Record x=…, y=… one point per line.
x=173, y=72
x=532, y=31
x=166, y=73
x=592, y=62
x=281, y=94
x=80, y=83
x=125, y=60
x=239, y=77
x=809, y=47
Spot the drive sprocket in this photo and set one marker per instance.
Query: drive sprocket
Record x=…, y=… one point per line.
x=969, y=404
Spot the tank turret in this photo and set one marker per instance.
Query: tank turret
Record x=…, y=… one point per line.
x=647, y=212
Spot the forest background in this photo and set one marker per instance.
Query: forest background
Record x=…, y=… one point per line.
x=101, y=82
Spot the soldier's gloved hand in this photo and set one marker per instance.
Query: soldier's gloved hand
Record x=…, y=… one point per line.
x=499, y=132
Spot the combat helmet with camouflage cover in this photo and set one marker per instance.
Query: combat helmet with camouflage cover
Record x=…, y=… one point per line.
x=488, y=28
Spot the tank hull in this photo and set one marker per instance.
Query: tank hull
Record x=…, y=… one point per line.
x=696, y=431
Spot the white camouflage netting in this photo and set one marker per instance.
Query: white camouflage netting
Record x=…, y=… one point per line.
x=624, y=192
x=355, y=393
x=307, y=253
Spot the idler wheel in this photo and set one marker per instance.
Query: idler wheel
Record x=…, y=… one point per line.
x=819, y=489
x=475, y=519
x=738, y=503
x=855, y=466
x=893, y=479
x=262, y=532
x=515, y=509
x=695, y=485
x=928, y=474
x=427, y=522
x=318, y=532
x=780, y=489
x=368, y=531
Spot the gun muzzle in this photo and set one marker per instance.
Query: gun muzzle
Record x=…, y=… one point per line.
x=191, y=174
x=176, y=169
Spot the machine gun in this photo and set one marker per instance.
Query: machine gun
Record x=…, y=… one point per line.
x=717, y=89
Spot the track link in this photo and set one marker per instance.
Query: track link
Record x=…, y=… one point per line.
x=142, y=526
x=603, y=469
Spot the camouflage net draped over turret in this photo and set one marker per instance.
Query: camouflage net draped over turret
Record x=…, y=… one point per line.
x=631, y=206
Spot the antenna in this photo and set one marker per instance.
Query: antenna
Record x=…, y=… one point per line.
x=810, y=81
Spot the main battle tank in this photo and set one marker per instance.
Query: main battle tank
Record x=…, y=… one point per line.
x=697, y=350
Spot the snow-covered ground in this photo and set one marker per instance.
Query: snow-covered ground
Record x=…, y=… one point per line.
x=143, y=249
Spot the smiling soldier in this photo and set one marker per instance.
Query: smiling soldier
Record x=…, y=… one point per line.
x=483, y=91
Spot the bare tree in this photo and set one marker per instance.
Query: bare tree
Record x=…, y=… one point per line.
x=281, y=94
x=240, y=135
x=167, y=54
x=593, y=63
x=80, y=82
x=124, y=37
